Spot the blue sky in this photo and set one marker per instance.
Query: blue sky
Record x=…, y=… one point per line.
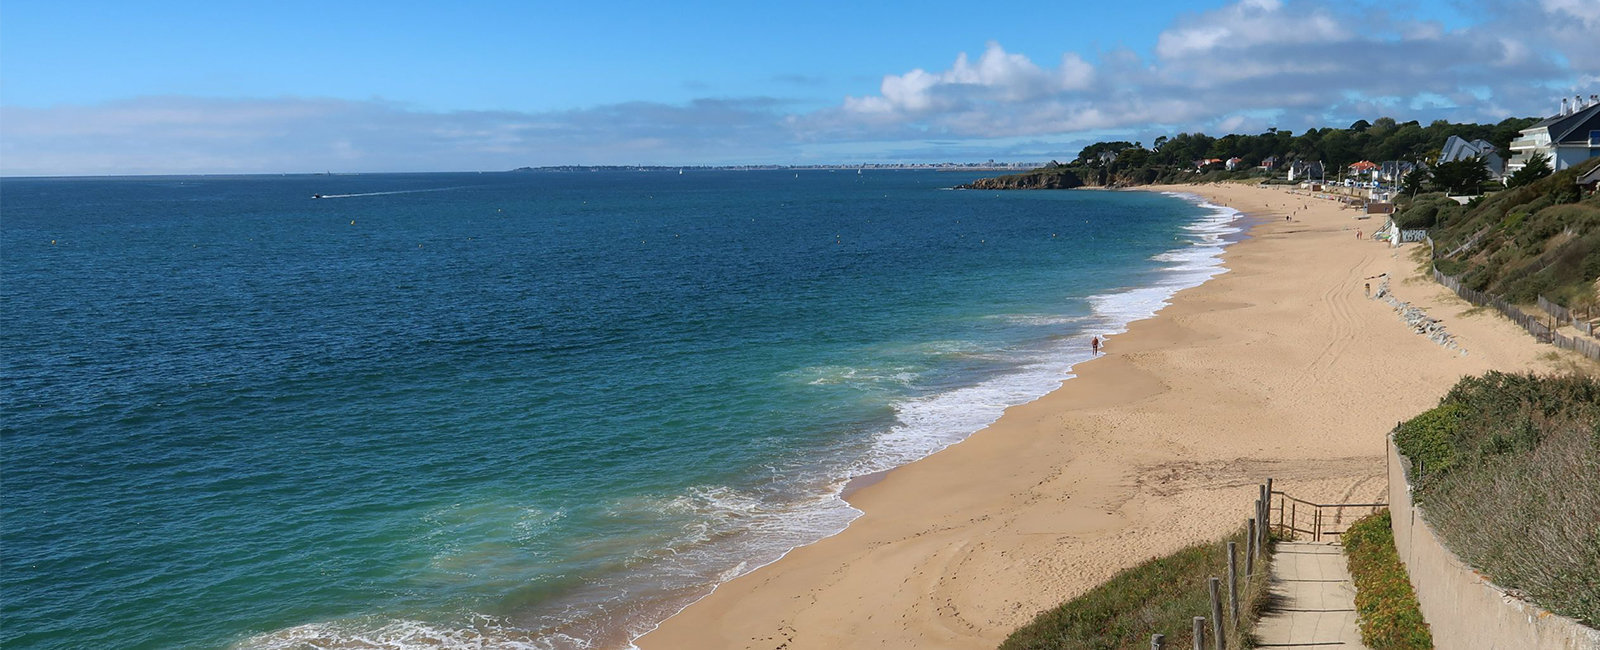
x=191, y=87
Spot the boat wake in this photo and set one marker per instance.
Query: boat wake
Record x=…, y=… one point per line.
x=350, y=196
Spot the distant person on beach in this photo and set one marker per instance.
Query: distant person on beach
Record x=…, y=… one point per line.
x=1094, y=346
x=1367, y=289
x=1358, y=233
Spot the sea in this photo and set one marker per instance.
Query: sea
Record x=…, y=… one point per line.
x=507, y=410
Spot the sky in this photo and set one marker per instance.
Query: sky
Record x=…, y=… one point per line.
x=93, y=88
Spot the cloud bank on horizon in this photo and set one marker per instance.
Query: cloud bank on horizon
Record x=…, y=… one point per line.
x=1243, y=67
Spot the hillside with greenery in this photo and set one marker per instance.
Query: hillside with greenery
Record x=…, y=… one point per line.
x=1507, y=470
x=1541, y=238
x=1169, y=160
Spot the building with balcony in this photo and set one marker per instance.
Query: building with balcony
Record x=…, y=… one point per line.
x=1567, y=138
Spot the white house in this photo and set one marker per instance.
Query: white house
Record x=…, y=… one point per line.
x=1304, y=170
x=1570, y=137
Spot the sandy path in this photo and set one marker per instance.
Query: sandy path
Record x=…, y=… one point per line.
x=1279, y=368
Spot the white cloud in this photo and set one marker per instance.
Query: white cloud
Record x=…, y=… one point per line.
x=998, y=76
x=1250, y=23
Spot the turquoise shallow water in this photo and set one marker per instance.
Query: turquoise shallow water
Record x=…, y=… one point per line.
x=534, y=410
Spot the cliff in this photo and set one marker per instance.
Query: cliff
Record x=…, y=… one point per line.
x=1049, y=178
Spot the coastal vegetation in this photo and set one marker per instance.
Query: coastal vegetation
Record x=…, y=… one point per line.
x=1542, y=238
x=1390, y=616
x=1161, y=596
x=1197, y=157
x=1507, y=468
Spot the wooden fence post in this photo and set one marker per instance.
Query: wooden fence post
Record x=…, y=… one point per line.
x=1250, y=551
x=1292, y=520
x=1261, y=522
x=1158, y=642
x=1199, y=633
x=1268, y=492
x=1233, y=586
x=1215, y=587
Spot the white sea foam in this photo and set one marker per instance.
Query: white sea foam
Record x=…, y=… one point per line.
x=861, y=377
x=1041, y=320
x=481, y=633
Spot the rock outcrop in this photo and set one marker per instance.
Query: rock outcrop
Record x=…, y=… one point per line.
x=1041, y=179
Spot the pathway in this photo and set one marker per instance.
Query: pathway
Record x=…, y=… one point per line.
x=1317, y=607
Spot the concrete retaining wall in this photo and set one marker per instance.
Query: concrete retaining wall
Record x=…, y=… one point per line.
x=1464, y=609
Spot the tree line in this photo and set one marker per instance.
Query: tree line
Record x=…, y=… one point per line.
x=1383, y=139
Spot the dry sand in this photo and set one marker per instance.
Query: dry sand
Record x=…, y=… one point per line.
x=1279, y=368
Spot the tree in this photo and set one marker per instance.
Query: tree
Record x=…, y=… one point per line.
x=1461, y=176
x=1538, y=167
x=1414, y=181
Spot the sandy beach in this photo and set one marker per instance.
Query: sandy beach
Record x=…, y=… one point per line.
x=1279, y=368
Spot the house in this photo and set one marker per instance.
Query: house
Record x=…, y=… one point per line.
x=1268, y=164
x=1363, y=167
x=1302, y=170
x=1203, y=163
x=1108, y=157
x=1459, y=148
x=1394, y=171
x=1566, y=138
x=1233, y=163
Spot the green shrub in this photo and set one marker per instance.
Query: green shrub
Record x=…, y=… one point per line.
x=1427, y=438
x=1450, y=267
x=1390, y=617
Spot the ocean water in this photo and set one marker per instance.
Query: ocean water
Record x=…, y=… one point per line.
x=515, y=410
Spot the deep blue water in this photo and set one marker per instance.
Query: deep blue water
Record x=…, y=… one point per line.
x=513, y=410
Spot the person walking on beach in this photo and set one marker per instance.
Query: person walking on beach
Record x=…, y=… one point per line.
x=1094, y=346
x=1367, y=288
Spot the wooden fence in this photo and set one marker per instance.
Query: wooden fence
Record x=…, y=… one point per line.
x=1566, y=317
x=1291, y=518
x=1541, y=331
